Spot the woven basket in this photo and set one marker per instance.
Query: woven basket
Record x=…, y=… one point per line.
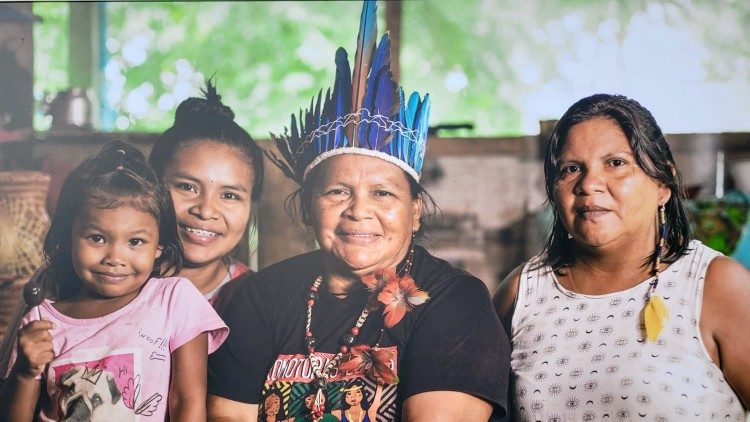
x=23, y=222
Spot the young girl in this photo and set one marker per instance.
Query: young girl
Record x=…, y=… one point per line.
x=214, y=171
x=115, y=341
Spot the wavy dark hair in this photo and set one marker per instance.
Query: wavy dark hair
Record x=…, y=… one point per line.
x=207, y=119
x=115, y=177
x=652, y=154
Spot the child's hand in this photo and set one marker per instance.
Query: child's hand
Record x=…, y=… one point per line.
x=34, y=348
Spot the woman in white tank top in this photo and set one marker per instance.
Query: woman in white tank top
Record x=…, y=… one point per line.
x=622, y=316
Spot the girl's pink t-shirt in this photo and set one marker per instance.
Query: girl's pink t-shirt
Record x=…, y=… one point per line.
x=117, y=367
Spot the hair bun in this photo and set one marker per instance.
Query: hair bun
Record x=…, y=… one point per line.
x=120, y=156
x=196, y=109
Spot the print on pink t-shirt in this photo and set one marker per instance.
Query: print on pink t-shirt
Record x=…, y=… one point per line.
x=118, y=367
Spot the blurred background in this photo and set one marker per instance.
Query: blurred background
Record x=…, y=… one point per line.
x=75, y=75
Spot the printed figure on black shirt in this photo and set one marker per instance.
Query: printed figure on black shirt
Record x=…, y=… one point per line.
x=308, y=403
x=354, y=404
x=272, y=409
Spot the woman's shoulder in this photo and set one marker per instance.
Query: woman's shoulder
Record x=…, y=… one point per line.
x=156, y=287
x=299, y=263
x=237, y=268
x=505, y=296
x=170, y=288
x=429, y=269
x=438, y=276
x=161, y=284
x=725, y=276
x=280, y=275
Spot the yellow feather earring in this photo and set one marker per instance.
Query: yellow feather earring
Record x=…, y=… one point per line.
x=656, y=312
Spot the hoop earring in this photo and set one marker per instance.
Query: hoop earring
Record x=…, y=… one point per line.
x=656, y=311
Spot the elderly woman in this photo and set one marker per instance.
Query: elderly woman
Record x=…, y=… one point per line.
x=623, y=315
x=421, y=337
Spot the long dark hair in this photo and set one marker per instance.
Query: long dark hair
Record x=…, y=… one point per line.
x=117, y=176
x=652, y=154
x=207, y=119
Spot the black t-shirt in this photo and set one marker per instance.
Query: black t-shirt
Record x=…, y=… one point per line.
x=453, y=342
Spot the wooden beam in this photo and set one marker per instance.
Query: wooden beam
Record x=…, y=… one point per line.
x=393, y=14
x=84, y=51
x=80, y=47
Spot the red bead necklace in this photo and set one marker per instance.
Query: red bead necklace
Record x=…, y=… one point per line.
x=347, y=341
x=322, y=374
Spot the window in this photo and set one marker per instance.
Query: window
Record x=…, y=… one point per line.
x=497, y=64
x=506, y=65
x=268, y=58
x=50, y=55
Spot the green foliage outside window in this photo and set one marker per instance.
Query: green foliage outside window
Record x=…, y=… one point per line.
x=269, y=58
x=501, y=65
x=50, y=54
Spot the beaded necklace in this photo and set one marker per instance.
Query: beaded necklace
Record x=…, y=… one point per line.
x=347, y=341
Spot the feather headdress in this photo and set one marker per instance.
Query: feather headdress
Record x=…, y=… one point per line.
x=365, y=114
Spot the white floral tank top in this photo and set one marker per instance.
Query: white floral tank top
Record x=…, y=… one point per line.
x=584, y=358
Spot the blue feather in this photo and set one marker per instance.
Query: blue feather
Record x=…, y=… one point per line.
x=422, y=125
x=386, y=104
x=411, y=110
x=368, y=89
x=395, y=145
x=342, y=94
x=368, y=30
x=379, y=96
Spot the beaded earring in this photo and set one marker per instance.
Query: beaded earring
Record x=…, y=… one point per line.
x=409, y=257
x=656, y=312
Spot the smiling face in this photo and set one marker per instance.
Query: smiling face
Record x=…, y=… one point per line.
x=363, y=213
x=210, y=185
x=603, y=197
x=113, y=250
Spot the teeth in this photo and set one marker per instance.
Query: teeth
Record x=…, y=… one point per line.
x=199, y=232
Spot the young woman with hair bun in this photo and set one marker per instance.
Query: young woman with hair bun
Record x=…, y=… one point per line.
x=214, y=172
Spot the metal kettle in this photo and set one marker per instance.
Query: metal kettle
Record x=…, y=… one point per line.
x=70, y=109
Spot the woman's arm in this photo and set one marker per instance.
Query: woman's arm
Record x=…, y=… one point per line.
x=445, y=406
x=21, y=389
x=187, y=388
x=372, y=411
x=225, y=410
x=466, y=372
x=505, y=296
x=725, y=322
